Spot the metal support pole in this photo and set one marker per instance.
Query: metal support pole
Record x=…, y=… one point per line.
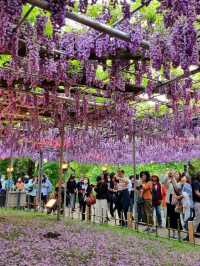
x=40, y=179
x=65, y=194
x=62, y=132
x=134, y=173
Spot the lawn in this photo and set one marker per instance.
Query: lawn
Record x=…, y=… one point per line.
x=28, y=239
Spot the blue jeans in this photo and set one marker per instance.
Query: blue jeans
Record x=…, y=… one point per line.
x=158, y=214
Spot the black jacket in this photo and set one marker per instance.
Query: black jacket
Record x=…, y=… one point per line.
x=101, y=191
x=71, y=186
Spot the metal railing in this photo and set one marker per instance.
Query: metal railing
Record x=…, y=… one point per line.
x=91, y=216
x=161, y=232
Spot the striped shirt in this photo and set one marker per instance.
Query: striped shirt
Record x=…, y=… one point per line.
x=123, y=183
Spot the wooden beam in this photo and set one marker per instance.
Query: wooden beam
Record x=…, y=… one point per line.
x=120, y=54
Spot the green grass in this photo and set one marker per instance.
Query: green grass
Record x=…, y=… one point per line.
x=172, y=244
x=23, y=217
x=10, y=214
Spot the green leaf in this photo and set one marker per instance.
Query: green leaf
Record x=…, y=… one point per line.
x=116, y=14
x=4, y=58
x=95, y=10
x=150, y=11
x=101, y=74
x=74, y=66
x=34, y=13
x=48, y=30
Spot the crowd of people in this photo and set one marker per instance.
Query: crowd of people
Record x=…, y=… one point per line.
x=170, y=202
x=29, y=185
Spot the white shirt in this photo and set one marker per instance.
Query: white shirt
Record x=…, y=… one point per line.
x=129, y=186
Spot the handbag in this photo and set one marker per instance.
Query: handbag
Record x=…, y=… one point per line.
x=173, y=199
x=140, y=201
x=90, y=200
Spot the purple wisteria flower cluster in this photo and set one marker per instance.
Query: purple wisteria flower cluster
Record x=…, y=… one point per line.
x=62, y=66
x=27, y=243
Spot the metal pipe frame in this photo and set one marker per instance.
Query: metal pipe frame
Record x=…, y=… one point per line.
x=90, y=23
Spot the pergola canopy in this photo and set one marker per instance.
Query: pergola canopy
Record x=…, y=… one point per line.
x=130, y=71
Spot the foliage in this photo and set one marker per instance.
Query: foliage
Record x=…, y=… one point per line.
x=4, y=59
x=93, y=170
x=51, y=169
x=4, y=164
x=21, y=167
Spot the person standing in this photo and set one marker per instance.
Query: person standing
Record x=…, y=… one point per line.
x=111, y=193
x=196, y=199
x=2, y=196
x=140, y=214
x=164, y=203
x=32, y=192
x=131, y=189
x=101, y=190
x=173, y=217
x=147, y=196
x=86, y=191
x=46, y=188
x=71, y=189
x=187, y=201
x=157, y=198
x=80, y=191
x=123, y=198
x=8, y=184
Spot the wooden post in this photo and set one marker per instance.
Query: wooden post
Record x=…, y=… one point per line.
x=130, y=224
x=88, y=214
x=94, y=215
x=191, y=232
x=62, y=132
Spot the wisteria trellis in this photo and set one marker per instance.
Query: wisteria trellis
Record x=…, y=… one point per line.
x=100, y=132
